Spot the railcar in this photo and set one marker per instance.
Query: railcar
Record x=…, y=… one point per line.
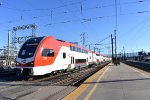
x=43, y=55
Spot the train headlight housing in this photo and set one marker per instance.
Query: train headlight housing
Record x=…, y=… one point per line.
x=30, y=64
x=17, y=63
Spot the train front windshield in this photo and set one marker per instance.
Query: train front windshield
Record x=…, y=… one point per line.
x=29, y=47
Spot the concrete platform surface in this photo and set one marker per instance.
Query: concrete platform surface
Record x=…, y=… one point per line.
x=120, y=82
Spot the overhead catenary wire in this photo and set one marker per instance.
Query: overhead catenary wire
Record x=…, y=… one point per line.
x=70, y=4
x=137, y=25
x=104, y=39
x=140, y=31
x=66, y=7
x=85, y=9
x=142, y=35
x=84, y=20
x=44, y=9
x=81, y=20
x=89, y=19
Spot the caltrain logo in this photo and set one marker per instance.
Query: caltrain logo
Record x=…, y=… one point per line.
x=23, y=61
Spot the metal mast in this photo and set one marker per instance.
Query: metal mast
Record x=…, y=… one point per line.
x=112, y=48
x=115, y=31
x=83, y=39
x=20, y=40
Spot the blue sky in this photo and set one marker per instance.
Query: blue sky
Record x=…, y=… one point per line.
x=68, y=21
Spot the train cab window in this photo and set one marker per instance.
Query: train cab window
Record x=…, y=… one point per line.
x=23, y=52
x=64, y=55
x=28, y=49
x=48, y=53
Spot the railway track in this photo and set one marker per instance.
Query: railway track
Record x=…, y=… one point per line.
x=77, y=78
x=7, y=73
x=18, y=89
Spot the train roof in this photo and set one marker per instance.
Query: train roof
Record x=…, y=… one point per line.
x=71, y=44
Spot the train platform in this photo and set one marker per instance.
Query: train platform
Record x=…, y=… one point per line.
x=120, y=82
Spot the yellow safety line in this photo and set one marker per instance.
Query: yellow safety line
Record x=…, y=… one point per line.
x=95, y=86
x=76, y=93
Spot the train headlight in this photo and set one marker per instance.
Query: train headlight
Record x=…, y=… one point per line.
x=17, y=63
x=31, y=64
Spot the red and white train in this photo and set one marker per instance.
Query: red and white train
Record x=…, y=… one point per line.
x=43, y=55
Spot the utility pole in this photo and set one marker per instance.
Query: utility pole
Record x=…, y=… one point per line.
x=94, y=49
x=8, y=60
x=112, y=48
x=99, y=51
x=115, y=46
x=83, y=39
x=89, y=47
x=115, y=31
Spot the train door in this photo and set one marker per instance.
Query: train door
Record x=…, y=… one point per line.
x=72, y=62
x=65, y=59
x=87, y=61
x=92, y=58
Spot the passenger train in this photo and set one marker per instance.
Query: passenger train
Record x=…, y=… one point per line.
x=43, y=55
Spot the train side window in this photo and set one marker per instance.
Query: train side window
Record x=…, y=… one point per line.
x=48, y=53
x=71, y=48
x=64, y=55
x=80, y=60
x=73, y=60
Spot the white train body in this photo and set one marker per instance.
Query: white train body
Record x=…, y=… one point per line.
x=43, y=55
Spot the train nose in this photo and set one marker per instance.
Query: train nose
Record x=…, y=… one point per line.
x=24, y=64
x=23, y=61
